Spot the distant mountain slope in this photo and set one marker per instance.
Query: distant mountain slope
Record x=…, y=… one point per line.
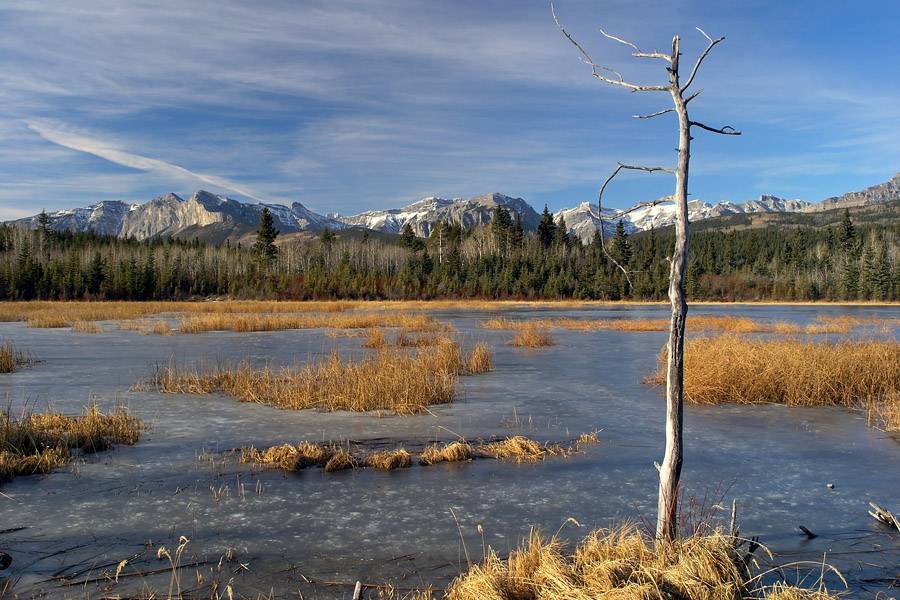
x=206, y=216
x=423, y=215
x=876, y=194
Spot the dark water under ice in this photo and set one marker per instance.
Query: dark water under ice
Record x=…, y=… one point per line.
x=288, y=529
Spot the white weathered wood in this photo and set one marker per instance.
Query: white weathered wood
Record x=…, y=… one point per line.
x=885, y=516
x=670, y=468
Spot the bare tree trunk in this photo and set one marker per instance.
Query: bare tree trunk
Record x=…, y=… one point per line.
x=670, y=470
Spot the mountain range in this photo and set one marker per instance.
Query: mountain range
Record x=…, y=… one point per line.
x=215, y=218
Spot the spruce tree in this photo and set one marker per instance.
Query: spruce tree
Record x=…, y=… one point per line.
x=408, y=237
x=265, y=249
x=561, y=235
x=546, y=228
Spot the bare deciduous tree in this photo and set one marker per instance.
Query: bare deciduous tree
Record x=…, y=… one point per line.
x=670, y=469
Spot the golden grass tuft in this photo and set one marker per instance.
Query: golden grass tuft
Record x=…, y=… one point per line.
x=11, y=359
x=398, y=381
x=480, y=359
x=619, y=565
x=375, y=338
x=41, y=442
x=86, y=327
x=520, y=449
x=388, y=460
x=586, y=439
x=532, y=336
x=339, y=461
x=452, y=452
x=289, y=457
x=742, y=370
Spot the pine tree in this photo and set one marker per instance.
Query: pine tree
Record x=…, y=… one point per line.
x=408, y=237
x=847, y=235
x=546, y=228
x=561, y=235
x=265, y=249
x=621, y=247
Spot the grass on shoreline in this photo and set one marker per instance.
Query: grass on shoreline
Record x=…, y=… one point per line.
x=851, y=373
x=398, y=381
x=695, y=323
x=41, y=442
x=245, y=322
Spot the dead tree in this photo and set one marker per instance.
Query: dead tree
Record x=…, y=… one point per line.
x=670, y=469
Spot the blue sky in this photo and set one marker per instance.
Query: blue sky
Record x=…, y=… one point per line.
x=349, y=106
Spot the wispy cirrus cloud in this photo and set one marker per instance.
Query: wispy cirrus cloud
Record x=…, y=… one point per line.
x=63, y=136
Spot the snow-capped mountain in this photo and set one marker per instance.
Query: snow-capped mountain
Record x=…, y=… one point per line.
x=423, y=215
x=170, y=215
x=583, y=220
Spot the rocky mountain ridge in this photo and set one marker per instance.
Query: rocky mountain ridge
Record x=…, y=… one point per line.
x=217, y=218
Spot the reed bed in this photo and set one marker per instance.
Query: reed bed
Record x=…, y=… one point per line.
x=532, y=336
x=246, y=322
x=376, y=338
x=702, y=323
x=11, y=359
x=730, y=368
x=41, y=442
x=400, y=382
x=847, y=323
x=146, y=326
x=86, y=327
x=45, y=313
x=622, y=564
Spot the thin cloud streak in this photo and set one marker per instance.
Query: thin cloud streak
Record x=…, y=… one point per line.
x=62, y=136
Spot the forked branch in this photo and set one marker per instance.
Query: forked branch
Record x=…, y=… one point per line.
x=619, y=169
x=596, y=70
x=726, y=130
x=701, y=58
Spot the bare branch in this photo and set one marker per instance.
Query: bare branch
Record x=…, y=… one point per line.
x=656, y=114
x=726, y=130
x=701, y=58
x=638, y=53
x=595, y=68
x=692, y=96
x=619, y=169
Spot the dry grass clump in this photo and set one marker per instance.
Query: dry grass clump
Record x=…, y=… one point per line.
x=388, y=460
x=41, y=442
x=532, y=336
x=452, y=452
x=86, y=327
x=736, y=369
x=520, y=449
x=480, y=359
x=247, y=322
x=11, y=359
x=341, y=460
x=587, y=439
x=289, y=457
x=397, y=381
x=375, y=338
x=48, y=320
x=618, y=565
x=885, y=414
x=145, y=326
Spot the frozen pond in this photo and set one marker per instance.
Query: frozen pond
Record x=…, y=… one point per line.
x=289, y=529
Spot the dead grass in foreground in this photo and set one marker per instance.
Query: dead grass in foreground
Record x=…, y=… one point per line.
x=532, y=336
x=41, y=442
x=885, y=415
x=853, y=374
x=398, y=381
x=11, y=359
x=622, y=564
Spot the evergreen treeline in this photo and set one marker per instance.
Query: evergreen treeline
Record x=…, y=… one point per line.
x=495, y=261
